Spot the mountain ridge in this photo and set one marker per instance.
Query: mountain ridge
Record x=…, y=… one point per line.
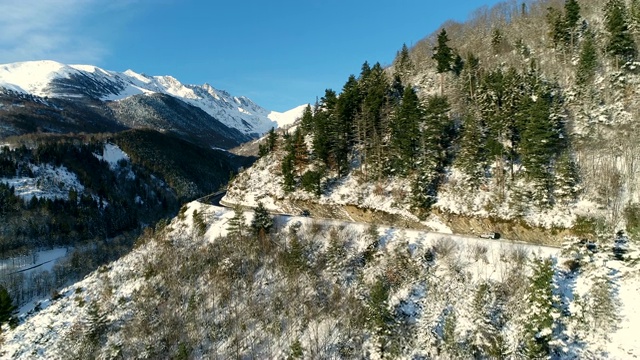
x=53, y=79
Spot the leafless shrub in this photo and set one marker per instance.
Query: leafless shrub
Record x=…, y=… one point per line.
x=480, y=253
x=444, y=247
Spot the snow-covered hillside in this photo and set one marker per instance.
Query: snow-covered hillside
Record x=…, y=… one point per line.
x=53, y=79
x=335, y=290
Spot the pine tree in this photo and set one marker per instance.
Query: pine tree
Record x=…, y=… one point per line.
x=404, y=65
x=323, y=119
x=539, y=324
x=458, y=65
x=406, y=130
x=443, y=55
x=571, y=17
x=288, y=165
x=371, y=128
x=97, y=323
x=306, y=121
x=261, y=225
x=620, y=43
x=588, y=62
x=237, y=225
x=497, y=41
x=567, y=178
x=6, y=306
x=471, y=69
x=342, y=129
x=472, y=158
x=557, y=28
x=379, y=315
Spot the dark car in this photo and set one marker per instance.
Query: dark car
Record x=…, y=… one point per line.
x=305, y=213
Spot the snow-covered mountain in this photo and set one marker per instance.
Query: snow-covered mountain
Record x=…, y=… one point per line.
x=55, y=80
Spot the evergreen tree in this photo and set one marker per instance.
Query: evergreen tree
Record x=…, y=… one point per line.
x=237, y=225
x=571, y=17
x=588, y=61
x=6, y=306
x=306, y=121
x=406, y=130
x=557, y=27
x=458, y=65
x=379, y=315
x=261, y=225
x=620, y=43
x=538, y=144
x=567, y=178
x=342, y=129
x=288, y=165
x=497, y=41
x=472, y=158
x=539, y=324
x=437, y=132
x=443, y=55
x=323, y=119
x=371, y=127
x=297, y=149
x=471, y=69
x=404, y=65
x=97, y=323
x=435, y=138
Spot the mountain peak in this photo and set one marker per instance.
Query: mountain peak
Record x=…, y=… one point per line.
x=53, y=79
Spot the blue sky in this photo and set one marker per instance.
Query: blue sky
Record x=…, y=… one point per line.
x=278, y=53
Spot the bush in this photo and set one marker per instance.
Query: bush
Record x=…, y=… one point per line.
x=312, y=182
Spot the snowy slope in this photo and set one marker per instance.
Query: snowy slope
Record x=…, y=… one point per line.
x=53, y=79
x=127, y=293
x=287, y=118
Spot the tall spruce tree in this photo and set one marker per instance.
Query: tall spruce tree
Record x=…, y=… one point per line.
x=306, y=121
x=404, y=66
x=237, y=225
x=588, y=62
x=6, y=306
x=539, y=324
x=261, y=225
x=620, y=43
x=472, y=158
x=443, y=55
x=406, y=131
x=571, y=17
x=288, y=164
x=342, y=129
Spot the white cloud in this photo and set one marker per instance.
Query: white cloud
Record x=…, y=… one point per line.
x=50, y=29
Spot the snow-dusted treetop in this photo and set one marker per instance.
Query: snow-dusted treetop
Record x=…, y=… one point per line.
x=53, y=79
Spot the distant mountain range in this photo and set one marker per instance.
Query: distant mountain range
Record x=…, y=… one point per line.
x=48, y=96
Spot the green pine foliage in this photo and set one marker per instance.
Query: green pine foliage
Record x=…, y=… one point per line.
x=6, y=306
x=262, y=220
x=620, y=43
x=405, y=131
x=288, y=165
x=539, y=325
x=237, y=225
x=404, y=67
x=311, y=181
x=588, y=62
x=270, y=143
x=472, y=156
x=442, y=53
